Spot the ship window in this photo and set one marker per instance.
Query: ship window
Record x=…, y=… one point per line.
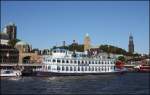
x=58, y=61
x=49, y=67
x=82, y=62
x=89, y=69
x=102, y=68
x=74, y=68
x=92, y=62
x=99, y=68
x=92, y=68
x=78, y=68
x=66, y=68
x=79, y=62
x=89, y=62
x=70, y=68
x=67, y=61
x=82, y=69
x=102, y=62
x=99, y=62
x=85, y=68
x=54, y=60
x=54, y=51
x=75, y=61
x=85, y=62
x=63, y=61
x=70, y=61
x=62, y=68
x=58, y=68
x=96, y=69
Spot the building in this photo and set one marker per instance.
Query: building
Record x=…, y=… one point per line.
x=26, y=55
x=87, y=42
x=23, y=47
x=8, y=54
x=131, y=44
x=4, y=38
x=11, y=30
x=8, y=33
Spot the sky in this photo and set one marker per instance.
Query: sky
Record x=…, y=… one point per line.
x=47, y=23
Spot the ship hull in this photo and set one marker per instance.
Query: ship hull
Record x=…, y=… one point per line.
x=39, y=73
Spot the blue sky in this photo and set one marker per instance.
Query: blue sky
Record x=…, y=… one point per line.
x=47, y=23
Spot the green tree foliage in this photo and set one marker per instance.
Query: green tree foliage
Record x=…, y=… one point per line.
x=13, y=42
x=76, y=47
x=112, y=49
x=122, y=58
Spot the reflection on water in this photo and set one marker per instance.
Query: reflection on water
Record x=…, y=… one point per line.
x=129, y=83
x=15, y=78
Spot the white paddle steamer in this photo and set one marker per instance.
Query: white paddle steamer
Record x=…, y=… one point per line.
x=64, y=62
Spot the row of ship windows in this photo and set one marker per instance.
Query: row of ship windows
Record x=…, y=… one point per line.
x=75, y=61
x=69, y=68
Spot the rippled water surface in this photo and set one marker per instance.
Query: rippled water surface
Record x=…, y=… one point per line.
x=128, y=83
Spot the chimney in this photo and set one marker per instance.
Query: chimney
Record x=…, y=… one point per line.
x=64, y=43
x=74, y=41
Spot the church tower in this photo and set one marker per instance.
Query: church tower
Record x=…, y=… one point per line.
x=87, y=42
x=131, y=44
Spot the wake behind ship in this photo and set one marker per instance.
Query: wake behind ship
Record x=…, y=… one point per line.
x=64, y=62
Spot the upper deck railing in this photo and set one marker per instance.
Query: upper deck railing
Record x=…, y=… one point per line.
x=20, y=64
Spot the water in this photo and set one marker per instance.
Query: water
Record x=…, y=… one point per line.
x=128, y=83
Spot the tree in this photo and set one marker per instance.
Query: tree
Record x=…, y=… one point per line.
x=13, y=42
x=112, y=49
x=122, y=58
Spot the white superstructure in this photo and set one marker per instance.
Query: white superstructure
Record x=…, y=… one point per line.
x=66, y=62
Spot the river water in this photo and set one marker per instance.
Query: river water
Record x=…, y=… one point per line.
x=127, y=83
